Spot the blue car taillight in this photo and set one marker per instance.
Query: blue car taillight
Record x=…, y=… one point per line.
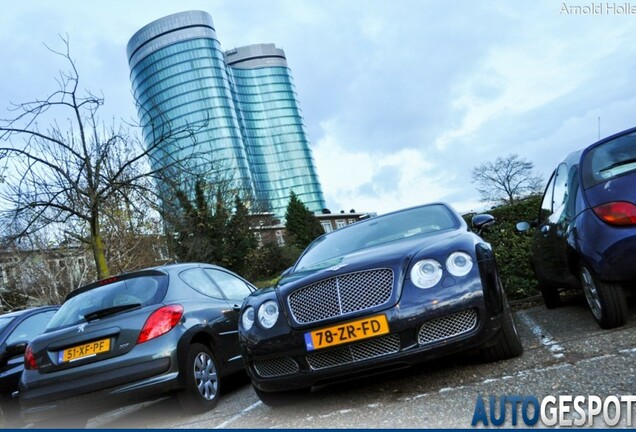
x=620, y=213
x=29, y=359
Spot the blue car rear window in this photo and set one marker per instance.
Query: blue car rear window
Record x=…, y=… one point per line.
x=609, y=160
x=139, y=291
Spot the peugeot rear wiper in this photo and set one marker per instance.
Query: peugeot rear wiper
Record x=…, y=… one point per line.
x=92, y=316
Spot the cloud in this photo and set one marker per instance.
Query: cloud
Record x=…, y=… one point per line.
x=401, y=99
x=375, y=180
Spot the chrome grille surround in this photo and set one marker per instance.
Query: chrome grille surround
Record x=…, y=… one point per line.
x=277, y=366
x=355, y=352
x=447, y=326
x=341, y=295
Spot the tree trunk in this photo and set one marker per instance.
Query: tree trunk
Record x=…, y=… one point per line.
x=98, y=250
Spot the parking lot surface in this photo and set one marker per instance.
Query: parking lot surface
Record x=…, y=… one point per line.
x=566, y=353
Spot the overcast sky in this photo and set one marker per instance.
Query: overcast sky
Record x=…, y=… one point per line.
x=401, y=98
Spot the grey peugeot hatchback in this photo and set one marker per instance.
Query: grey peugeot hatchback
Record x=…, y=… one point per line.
x=141, y=335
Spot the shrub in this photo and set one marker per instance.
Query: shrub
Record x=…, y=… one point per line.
x=512, y=249
x=269, y=261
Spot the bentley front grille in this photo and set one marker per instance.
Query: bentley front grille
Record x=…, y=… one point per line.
x=447, y=327
x=341, y=295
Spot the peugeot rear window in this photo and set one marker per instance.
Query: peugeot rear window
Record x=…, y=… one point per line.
x=609, y=160
x=110, y=297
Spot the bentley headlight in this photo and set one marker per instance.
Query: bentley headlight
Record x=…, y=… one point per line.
x=426, y=273
x=459, y=264
x=268, y=314
x=248, y=318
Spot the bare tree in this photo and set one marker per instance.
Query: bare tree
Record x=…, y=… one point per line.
x=63, y=177
x=506, y=179
x=133, y=238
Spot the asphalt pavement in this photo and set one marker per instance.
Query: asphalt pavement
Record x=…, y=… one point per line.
x=566, y=353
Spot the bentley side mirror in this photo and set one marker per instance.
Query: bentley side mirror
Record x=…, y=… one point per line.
x=482, y=221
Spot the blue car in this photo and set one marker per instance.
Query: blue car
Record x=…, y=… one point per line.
x=17, y=329
x=376, y=296
x=586, y=232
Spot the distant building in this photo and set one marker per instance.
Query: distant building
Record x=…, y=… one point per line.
x=241, y=105
x=29, y=275
x=269, y=229
x=333, y=221
x=35, y=274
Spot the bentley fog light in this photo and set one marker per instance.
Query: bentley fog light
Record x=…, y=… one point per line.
x=459, y=264
x=426, y=273
x=268, y=314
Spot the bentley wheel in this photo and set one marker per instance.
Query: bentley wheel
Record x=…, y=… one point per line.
x=202, y=380
x=606, y=300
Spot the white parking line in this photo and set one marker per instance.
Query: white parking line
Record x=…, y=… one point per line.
x=239, y=415
x=544, y=337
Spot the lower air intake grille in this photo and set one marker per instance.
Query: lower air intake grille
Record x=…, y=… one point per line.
x=447, y=327
x=277, y=366
x=355, y=352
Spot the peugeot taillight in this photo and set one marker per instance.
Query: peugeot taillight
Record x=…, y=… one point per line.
x=29, y=359
x=160, y=322
x=621, y=213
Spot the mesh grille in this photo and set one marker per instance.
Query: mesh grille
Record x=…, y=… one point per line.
x=276, y=366
x=448, y=326
x=355, y=352
x=341, y=295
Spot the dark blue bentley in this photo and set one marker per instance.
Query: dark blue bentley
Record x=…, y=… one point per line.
x=374, y=296
x=586, y=233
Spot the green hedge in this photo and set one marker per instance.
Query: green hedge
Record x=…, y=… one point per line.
x=512, y=248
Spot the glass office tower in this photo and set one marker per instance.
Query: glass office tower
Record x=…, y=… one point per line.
x=235, y=116
x=276, y=141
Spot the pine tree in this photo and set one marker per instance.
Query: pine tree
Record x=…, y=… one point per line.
x=301, y=224
x=240, y=238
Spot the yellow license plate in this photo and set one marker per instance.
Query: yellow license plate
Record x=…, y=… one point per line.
x=86, y=350
x=347, y=332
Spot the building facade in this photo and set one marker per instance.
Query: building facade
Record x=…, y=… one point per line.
x=233, y=116
x=333, y=221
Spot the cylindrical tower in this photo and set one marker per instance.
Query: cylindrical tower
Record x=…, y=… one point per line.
x=184, y=98
x=272, y=125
